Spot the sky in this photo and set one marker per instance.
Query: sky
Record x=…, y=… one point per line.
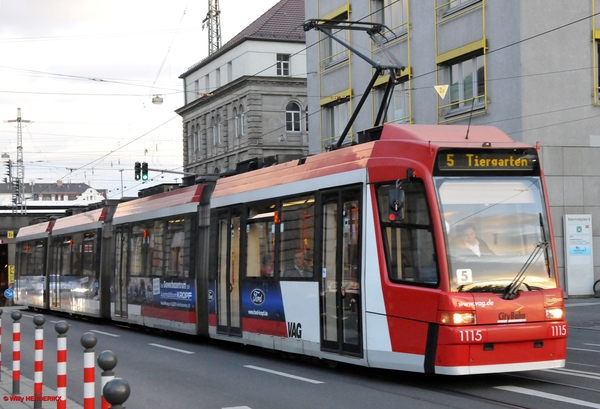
x=84, y=73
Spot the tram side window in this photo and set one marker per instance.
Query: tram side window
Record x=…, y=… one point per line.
x=88, y=254
x=77, y=250
x=137, y=252
x=156, y=248
x=409, y=244
x=66, y=252
x=260, y=241
x=32, y=259
x=176, y=242
x=297, y=237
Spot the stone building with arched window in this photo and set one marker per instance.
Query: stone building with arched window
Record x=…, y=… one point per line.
x=248, y=100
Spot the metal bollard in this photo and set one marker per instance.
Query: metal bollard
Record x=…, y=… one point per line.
x=61, y=328
x=116, y=391
x=38, y=369
x=88, y=341
x=107, y=361
x=16, y=316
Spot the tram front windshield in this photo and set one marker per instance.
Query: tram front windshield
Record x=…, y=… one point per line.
x=496, y=230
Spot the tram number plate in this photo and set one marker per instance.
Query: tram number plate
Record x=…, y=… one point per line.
x=559, y=330
x=471, y=335
x=464, y=276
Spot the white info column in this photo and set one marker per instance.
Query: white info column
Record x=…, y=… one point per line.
x=579, y=258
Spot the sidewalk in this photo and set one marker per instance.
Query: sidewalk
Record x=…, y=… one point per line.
x=8, y=401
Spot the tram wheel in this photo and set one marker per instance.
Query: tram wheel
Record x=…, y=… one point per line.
x=332, y=364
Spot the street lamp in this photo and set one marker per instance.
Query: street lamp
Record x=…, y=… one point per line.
x=157, y=100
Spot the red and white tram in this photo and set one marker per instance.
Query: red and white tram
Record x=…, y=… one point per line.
x=426, y=249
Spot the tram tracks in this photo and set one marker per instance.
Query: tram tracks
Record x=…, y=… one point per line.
x=511, y=390
x=555, y=383
x=548, y=393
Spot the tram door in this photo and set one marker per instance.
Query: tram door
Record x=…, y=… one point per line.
x=228, y=280
x=341, y=330
x=61, y=267
x=120, y=277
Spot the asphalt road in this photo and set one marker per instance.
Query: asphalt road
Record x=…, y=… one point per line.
x=184, y=372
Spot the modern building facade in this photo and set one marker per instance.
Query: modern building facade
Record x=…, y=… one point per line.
x=248, y=99
x=529, y=68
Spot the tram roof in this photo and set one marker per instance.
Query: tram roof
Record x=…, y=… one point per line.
x=180, y=201
x=359, y=156
x=35, y=231
x=446, y=135
x=80, y=222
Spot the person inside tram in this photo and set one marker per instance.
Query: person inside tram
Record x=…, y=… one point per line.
x=300, y=268
x=266, y=265
x=467, y=242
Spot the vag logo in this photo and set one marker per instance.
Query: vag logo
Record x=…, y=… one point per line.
x=257, y=296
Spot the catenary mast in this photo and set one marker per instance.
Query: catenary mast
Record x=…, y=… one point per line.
x=213, y=22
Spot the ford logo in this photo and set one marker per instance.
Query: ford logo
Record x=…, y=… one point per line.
x=257, y=296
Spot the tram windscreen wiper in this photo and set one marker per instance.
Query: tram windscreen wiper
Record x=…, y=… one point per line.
x=511, y=290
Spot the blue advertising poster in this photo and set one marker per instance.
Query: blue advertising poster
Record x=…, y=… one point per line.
x=175, y=294
x=159, y=292
x=262, y=299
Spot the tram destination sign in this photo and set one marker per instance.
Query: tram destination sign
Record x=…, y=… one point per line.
x=487, y=160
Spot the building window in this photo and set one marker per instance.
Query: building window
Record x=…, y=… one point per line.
x=292, y=117
x=197, y=139
x=392, y=13
x=192, y=146
x=465, y=77
x=452, y=4
x=219, y=129
x=397, y=111
x=335, y=52
x=306, y=119
x=242, y=117
x=213, y=125
x=338, y=117
x=236, y=123
x=283, y=64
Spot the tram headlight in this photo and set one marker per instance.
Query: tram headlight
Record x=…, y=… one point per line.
x=457, y=318
x=554, y=313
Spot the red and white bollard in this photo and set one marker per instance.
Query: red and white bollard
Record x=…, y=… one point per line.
x=16, y=316
x=61, y=328
x=107, y=361
x=38, y=374
x=88, y=341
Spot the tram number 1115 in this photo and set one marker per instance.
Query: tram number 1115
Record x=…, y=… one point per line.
x=559, y=330
x=471, y=335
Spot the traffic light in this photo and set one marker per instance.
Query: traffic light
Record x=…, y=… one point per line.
x=144, y=171
x=16, y=194
x=138, y=170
